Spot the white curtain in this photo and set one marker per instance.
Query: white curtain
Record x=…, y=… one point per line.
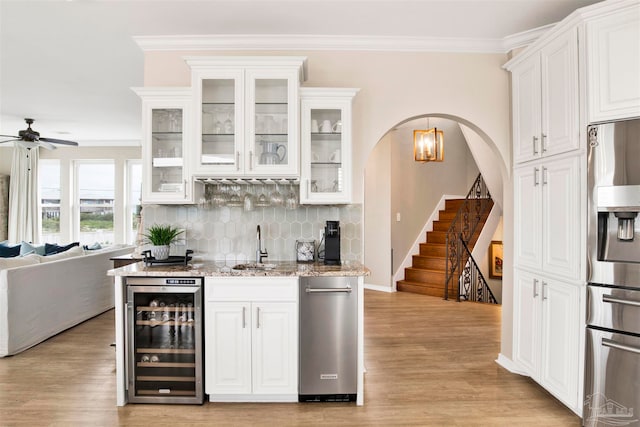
x=24, y=217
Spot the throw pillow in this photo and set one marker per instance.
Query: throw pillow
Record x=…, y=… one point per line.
x=51, y=248
x=93, y=247
x=71, y=253
x=27, y=248
x=9, y=251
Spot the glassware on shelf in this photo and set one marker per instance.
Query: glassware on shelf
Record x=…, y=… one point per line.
x=263, y=200
x=249, y=199
x=228, y=126
x=276, y=198
x=291, y=202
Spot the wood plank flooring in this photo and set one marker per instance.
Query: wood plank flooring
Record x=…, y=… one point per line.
x=429, y=363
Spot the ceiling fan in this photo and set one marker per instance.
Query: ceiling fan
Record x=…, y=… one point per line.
x=29, y=138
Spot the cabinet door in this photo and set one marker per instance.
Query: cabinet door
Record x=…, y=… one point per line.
x=559, y=70
x=526, y=321
x=613, y=62
x=275, y=344
x=166, y=123
x=526, y=110
x=219, y=122
x=527, y=198
x=325, y=175
x=560, y=332
x=228, y=348
x=561, y=217
x=272, y=116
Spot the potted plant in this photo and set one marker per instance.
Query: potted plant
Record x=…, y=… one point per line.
x=160, y=237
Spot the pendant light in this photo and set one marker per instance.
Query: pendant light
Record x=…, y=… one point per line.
x=428, y=145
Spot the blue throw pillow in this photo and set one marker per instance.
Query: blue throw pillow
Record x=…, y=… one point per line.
x=28, y=248
x=51, y=248
x=9, y=251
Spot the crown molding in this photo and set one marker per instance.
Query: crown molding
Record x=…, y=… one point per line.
x=524, y=38
x=318, y=42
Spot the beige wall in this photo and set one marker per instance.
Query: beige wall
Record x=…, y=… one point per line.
x=416, y=188
x=377, y=216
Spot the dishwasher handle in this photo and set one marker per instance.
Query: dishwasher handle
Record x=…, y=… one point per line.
x=328, y=290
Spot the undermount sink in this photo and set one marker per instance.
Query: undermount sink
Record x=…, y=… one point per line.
x=253, y=267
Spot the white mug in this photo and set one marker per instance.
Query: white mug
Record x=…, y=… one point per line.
x=337, y=127
x=314, y=126
x=326, y=127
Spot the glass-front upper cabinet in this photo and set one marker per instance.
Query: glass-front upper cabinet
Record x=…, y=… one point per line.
x=247, y=123
x=165, y=132
x=325, y=175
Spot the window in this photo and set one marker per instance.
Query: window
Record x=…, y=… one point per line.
x=93, y=207
x=49, y=183
x=134, y=197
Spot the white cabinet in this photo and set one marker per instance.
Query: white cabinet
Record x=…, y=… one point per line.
x=545, y=100
x=546, y=331
x=251, y=339
x=326, y=126
x=166, y=134
x=613, y=64
x=247, y=115
x=547, y=216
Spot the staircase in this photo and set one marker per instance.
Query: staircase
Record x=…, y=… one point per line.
x=428, y=270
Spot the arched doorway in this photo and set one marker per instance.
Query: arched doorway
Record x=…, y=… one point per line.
x=400, y=194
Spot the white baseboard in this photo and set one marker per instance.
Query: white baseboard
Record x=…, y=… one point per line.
x=510, y=365
x=380, y=288
x=421, y=238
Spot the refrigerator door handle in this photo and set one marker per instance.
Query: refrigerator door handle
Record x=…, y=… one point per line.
x=613, y=300
x=624, y=347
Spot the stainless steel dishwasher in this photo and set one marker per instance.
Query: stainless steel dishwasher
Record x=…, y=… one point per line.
x=328, y=339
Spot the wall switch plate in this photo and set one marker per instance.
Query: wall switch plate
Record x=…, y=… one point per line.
x=398, y=217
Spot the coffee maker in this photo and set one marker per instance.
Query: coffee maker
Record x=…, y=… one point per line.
x=332, y=243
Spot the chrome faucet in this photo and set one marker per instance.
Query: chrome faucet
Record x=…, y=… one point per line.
x=260, y=254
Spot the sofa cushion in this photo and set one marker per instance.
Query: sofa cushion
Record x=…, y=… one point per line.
x=28, y=248
x=52, y=248
x=9, y=251
x=73, y=252
x=19, y=261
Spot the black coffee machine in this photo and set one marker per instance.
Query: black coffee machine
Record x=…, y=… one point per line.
x=332, y=243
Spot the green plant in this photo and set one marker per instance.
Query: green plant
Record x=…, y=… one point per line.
x=160, y=235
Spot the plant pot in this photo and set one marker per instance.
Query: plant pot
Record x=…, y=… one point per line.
x=160, y=252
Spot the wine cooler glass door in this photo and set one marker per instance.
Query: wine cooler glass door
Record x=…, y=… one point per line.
x=165, y=336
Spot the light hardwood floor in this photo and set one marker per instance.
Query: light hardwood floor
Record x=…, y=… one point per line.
x=429, y=363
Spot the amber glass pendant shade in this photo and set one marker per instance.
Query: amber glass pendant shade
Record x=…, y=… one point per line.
x=428, y=145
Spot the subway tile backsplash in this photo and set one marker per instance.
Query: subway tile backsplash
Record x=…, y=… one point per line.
x=229, y=233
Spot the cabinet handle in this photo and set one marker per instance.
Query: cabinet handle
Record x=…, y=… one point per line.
x=251, y=160
x=544, y=291
x=185, y=188
x=308, y=188
x=611, y=343
x=237, y=160
x=544, y=175
x=544, y=143
x=244, y=317
x=535, y=288
x=258, y=317
x=612, y=300
x=535, y=141
x=536, y=181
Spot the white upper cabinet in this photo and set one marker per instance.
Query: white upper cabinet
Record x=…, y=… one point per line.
x=166, y=133
x=247, y=115
x=613, y=64
x=545, y=100
x=325, y=172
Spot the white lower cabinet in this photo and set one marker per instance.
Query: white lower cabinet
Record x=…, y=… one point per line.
x=251, y=346
x=546, y=329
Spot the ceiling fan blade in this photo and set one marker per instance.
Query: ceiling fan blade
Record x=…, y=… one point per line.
x=59, y=141
x=9, y=140
x=10, y=136
x=34, y=144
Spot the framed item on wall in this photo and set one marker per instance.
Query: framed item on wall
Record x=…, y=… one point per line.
x=495, y=259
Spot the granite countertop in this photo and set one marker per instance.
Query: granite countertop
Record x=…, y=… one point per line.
x=221, y=269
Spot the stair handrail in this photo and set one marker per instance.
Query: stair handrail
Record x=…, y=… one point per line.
x=463, y=227
x=474, y=284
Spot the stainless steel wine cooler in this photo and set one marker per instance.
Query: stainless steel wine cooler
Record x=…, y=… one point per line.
x=164, y=340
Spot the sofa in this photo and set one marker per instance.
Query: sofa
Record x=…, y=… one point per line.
x=41, y=296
